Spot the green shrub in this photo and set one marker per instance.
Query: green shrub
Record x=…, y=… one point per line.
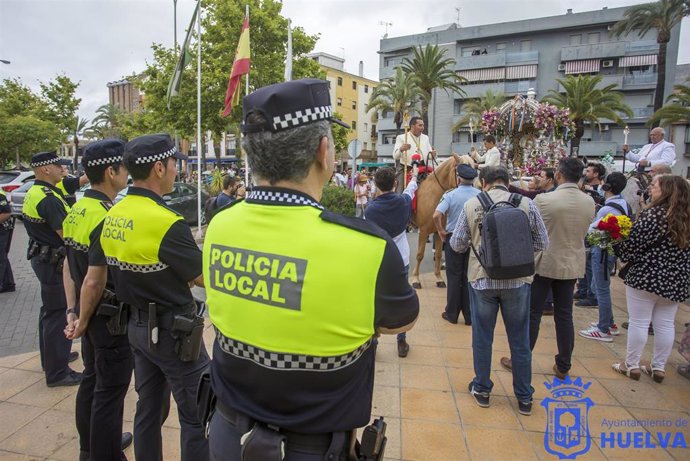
x=339, y=200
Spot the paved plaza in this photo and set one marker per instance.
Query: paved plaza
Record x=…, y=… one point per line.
x=423, y=397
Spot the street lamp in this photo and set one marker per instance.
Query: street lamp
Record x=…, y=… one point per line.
x=4, y=61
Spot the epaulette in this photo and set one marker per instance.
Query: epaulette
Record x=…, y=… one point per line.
x=47, y=190
x=358, y=224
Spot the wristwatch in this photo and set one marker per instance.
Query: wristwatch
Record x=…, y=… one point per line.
x=71, y=310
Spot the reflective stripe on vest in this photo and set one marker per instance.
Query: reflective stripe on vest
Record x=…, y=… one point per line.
x=82, y=219
x=132, y=233
x=34, y=196
x=275, y=280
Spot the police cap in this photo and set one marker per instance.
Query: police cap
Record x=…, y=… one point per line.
x=466, y=171
x=47, y=158
x=105, y=152
x=152, y=148
x=289, y=105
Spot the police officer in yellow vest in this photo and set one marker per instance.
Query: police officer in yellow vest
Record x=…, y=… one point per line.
x=6, y=229
x=155, y=259
x=293, y=360
x=43, y=212
x=100, y=320
x=68, y=185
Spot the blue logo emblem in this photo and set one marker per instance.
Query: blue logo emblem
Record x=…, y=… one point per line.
x=567, y=425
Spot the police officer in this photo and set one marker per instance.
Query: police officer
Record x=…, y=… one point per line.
x=43, y=212
x=293, y=358
x=155, y=260
x=68, y=185
x=6, y=229
x=108, y=360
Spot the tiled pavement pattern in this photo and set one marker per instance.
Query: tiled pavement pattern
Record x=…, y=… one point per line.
x=424, y=397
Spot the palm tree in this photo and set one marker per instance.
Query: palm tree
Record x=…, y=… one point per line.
x=677, y=108
x=80, y=127
x=473, y=108
x=106, y=122
x=397, y=95
x=663, y=16
x=432, y=71
x=587, y=103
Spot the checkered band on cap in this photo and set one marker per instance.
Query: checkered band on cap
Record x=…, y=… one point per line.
x=287, y=362
x=44, y=162
x=155, y=157
x=281, y=198
x=104, y=161
x=142, y=268
x=302, y=117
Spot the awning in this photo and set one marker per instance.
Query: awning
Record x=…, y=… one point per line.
x=634, y=61
x=521, y=72
x=483, y=75
x=584, y=66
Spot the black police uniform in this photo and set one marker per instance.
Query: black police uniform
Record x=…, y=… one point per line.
x=6, y=229
x=42, y=218
x=154, y=256
x=68, y=186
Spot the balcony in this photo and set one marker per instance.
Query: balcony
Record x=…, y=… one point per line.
x=481, y=61
x=605, y=81
x=478, y=90
x=639, y=81
x=524, y=57
x=385, y=124
x=384, y=150
x=519, y=87
x=593, y=51
x=642, y=46
x=462, y=148
x=597, y=148
x=642, y=112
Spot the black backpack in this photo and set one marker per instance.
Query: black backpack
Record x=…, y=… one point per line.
x=210, y=208
x=506, y=250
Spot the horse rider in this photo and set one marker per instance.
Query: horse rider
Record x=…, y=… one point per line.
x=413, y=146
x=654, y=153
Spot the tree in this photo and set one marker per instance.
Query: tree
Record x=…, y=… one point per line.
x=587, y=103
x=339, y=136
x=106, y=121
x=662, y=16
x=677, y=108
x=432, y=70
x=24, y=135
x=397, y=95
x=473, y=108
x=61, y=104
x=17, y=99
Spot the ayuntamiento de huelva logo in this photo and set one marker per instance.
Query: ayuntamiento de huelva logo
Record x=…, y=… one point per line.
x=567, y=424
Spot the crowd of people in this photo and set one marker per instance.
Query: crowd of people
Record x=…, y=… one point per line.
x=292, y=371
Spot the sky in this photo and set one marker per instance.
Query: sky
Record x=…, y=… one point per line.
x=99, y=41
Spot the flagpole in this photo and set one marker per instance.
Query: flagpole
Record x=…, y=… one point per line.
x=246, y=92
x=288, y=58
x=199, y=147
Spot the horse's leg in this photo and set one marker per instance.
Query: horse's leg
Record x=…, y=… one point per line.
x=438, y=256
x=421, y=245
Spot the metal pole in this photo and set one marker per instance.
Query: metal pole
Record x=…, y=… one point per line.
x=199, y=232
x=246, y=92
x=175, y=23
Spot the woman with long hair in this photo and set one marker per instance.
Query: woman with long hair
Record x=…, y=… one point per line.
x=659, y=276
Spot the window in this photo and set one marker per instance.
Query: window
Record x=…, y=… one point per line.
x=354, y=85
x=340, y=101
x=366, y=145
x=366, y=127
x=457, y=106
x=576, y=39
x=389, y=139
x=354, y=125
x=457, y=136
x=500, y=47
x=366, y=88
x=593, y=37
x=340, y=81
x=467, y=51
x=525, y=45
x=354, y=105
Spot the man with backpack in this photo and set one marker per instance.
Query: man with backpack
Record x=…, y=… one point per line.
x=602, y=263
x=232, y=190
x=504, y=231
x=567, y=214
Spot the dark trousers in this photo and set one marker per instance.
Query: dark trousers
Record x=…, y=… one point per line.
x=6, y=276
x=224, y=442
x=52, y=320
x=108, y=364
x=562, y=314
x=156, y=373
x=457, y=294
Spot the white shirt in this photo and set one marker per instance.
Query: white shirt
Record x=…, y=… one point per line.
x=663, y=152
x=420, y=145
x=491, y=158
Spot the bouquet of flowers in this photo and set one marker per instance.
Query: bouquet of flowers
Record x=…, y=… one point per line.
x=489, y=122
x=610, y=231
x=545, y=117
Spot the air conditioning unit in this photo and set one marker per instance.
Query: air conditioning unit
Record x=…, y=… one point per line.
x=607, y=63
x=561, y=67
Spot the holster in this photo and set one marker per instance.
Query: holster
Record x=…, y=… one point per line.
x=262, y=443
x=118, y=316
x=33, y=249
x=205, y=400
x=373, y=445
x=189, y=333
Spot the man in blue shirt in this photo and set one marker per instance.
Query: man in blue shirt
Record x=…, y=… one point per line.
x=445, y=219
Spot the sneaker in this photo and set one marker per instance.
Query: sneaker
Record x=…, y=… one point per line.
x=596, y=333
x=587, y=303
x=403, y=348
x=481, y=398
x=614, y=331
x=525, y=408
x=507, y=363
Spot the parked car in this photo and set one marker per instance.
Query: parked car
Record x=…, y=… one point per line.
x=13, y=179
x=182, y=199
x=17, y=198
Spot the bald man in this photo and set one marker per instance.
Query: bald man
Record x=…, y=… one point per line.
x=657, y=152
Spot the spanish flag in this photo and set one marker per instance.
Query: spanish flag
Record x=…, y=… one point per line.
x=239, y=68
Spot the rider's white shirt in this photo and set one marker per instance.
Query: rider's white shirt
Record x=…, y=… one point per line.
x=663, y=152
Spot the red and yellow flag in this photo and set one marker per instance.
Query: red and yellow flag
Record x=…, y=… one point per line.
x=239, y=68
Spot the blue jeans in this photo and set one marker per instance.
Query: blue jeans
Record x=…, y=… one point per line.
x=584, y=285
x=402, y=336
x=514, y=306
x=602, y=263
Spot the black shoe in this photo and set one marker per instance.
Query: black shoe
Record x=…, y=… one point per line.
x=548, y=313
x=579, y=296
x=587, y=303
x=481, y=398
x=126, y=440
x=403, y=348
x=525, y=408
x=72, y=379
x=650, y=331
x=73, y=356
x=445, y=317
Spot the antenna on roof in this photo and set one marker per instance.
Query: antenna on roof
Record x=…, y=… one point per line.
x=457, y=20
x=387, y=24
